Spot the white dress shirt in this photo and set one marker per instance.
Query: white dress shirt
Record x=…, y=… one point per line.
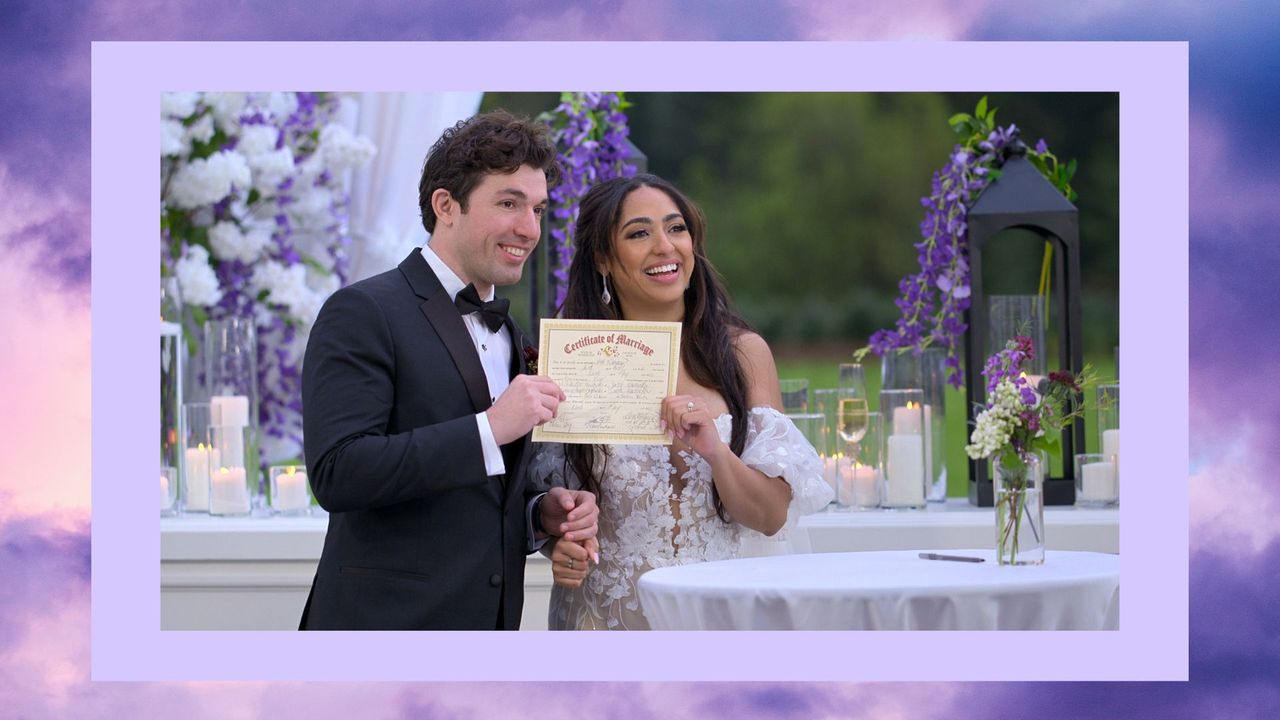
x=494, y=349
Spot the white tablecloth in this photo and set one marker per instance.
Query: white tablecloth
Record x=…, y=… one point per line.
x=953, y=524
x=888, y=590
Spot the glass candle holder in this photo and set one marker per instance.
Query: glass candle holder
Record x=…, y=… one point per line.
x=1108, y=404
x=927, y=371
x=290, y=490
x=232, y=483
x=231, y=363
x=172, y=352
x=795, y=395
x=1097, y=484
x=1012, y=315
x=168, y=491
x=813, y=427
x=826, y=402
x=861, y=475
x=905, y=462
x=198, y=457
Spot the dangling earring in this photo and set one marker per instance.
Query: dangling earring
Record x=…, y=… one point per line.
x=605, y=296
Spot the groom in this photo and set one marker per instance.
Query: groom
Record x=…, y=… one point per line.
x=417, y=407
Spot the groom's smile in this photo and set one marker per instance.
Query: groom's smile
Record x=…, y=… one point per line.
x=488, y=243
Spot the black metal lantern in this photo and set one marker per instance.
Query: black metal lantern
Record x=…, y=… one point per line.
x=1022, y=198
x=542, y=299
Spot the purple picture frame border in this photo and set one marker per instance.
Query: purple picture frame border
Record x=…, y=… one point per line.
x=1152, y=82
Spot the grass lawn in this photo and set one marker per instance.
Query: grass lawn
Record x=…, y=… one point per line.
x=821, y=373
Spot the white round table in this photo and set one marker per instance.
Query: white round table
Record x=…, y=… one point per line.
x=890, y=590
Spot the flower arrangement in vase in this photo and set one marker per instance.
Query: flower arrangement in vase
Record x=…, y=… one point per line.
x=1013, y=430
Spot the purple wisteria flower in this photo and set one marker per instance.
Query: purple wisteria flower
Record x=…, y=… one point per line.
x=283, y=243
x=590, y=131
x=934, y=300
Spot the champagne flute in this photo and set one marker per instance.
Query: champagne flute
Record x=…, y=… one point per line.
x=852, y=382
x=852, y=424
x=853, y=379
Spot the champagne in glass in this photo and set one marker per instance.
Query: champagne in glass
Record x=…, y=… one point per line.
x=852, y=420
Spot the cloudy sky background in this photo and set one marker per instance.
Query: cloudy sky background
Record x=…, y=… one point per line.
x=45, y=351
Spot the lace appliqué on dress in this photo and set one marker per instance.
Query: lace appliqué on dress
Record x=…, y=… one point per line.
x=640, y=531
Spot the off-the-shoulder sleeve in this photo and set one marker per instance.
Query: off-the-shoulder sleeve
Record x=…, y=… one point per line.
x=777, y=448
x=547, y=468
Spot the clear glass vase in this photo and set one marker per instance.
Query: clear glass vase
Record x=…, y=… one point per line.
x=927, y=371
x=172, y=354
x=1019, y=502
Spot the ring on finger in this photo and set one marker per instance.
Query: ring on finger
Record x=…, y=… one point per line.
x=570, y=563
x=688, y=406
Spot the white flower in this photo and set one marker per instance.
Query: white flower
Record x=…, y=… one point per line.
x=208, y=180
x=197, y=280
x=224, y=239
x=342, y=150
x=282, y=104
x=178, y=104
x=202, y=129
x=172, y=138
x=313, y=207
x=271, y=169
x=287, y=286
x=229, y=242
x=257, y=140
x=994, y=426
x=226, y=110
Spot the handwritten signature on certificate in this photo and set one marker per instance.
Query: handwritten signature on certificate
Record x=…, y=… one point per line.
x=614, y=373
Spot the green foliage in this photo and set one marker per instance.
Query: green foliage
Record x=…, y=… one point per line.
x=807, y=196
x=812, y=199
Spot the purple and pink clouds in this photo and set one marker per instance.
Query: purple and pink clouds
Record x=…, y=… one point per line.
x=44, y=354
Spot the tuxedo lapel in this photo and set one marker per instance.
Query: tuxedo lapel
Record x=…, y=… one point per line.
x=516, y=454
x=518, y=344
x=440, y=311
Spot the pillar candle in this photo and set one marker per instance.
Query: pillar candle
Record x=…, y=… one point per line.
x=230, y=410
x=291, y=491
x=1111, y=448
x=165, y=502
x=906, y=420
x=200, y=461
x=904, y=471
x=866, y=486
x=228, y=494
x=831, y=472
x=1098, y=482
x=928, y=444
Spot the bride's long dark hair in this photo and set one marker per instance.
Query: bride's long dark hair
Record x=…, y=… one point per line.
x=709, y=327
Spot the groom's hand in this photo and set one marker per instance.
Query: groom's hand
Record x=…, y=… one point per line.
x=571, y=514
x=528, y=401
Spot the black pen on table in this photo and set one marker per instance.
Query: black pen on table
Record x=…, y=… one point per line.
x=954, y=558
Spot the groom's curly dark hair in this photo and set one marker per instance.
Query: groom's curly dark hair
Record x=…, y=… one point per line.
x=495, y=141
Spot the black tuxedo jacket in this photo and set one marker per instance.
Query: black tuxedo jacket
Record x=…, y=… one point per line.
x=419, y=536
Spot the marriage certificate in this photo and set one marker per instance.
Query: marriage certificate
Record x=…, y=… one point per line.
x=614, y=374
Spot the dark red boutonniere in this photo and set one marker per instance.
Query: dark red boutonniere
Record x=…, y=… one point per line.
x=531, y=358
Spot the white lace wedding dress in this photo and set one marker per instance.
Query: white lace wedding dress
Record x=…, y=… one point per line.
x=656, y=510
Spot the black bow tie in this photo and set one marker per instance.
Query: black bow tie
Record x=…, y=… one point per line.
x=493, y=313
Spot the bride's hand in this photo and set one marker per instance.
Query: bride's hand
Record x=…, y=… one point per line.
x=691, y=421
x=570, y=561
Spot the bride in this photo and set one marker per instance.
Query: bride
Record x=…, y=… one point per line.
x=737, y=464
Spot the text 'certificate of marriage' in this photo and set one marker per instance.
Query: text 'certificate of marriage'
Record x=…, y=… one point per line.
x=614, y=374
